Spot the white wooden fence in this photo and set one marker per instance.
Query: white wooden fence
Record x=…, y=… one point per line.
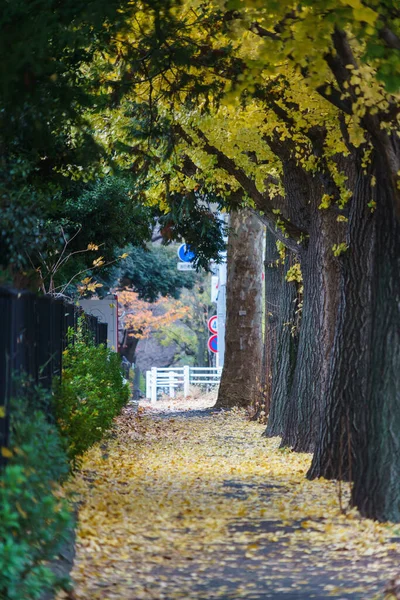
x=169, y=380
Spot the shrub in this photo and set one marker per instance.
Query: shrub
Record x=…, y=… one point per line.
x=90, y=395
x=48, y=435
x=35, y=518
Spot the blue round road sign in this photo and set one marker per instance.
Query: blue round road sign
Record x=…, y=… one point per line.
x=213, y=343
x=185, y=254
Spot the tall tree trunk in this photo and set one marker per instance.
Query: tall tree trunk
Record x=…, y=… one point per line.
x=359, y=436
x=240, y=380
x=303, y=194
x=376, y=490
x=285, y=353
x=128, y=346
x=321, y=278
x=273, y=282
x=302, y=408
x=350, y=360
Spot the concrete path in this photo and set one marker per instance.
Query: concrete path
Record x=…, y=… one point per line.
x=196, y=505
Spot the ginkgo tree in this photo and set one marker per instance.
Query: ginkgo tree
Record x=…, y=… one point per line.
x=238, y=155
x=350, y=55
x=291, y=110
x=296, y=106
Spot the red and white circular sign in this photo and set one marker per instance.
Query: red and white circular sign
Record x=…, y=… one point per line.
x=213, y=324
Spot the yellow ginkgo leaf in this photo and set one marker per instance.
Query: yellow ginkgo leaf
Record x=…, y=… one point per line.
x=6, y=452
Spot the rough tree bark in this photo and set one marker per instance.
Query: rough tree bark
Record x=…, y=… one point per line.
x=284, y=362
x=240, y=380
x=359, y=434
x=340, y=431
x=320, y=300
x=376, y=490
x=321, y=280
x=298, y=210
x=298, y=415
x=273, y=282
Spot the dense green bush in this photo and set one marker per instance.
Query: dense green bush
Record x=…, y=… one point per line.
x=48, y=435
x=34, y=518
x=90, y=395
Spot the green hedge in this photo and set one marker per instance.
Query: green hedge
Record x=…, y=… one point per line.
x=90, y=395
x=49, y=434
x=34, y=517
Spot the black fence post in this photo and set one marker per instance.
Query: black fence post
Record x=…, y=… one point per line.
x=57, y=312
x=44, y=340
x=24, y=359
x=33, y=336
x=103, y=333
x=7, y=342
x=71, y=321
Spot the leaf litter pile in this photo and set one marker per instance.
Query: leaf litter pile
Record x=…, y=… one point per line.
x=197, y=505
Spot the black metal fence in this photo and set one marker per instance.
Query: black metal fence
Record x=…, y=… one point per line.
x=33, y=335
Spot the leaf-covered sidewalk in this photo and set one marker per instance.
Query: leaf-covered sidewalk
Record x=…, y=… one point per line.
x=198, y=505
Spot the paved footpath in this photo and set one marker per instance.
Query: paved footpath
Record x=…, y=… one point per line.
x=196, y=505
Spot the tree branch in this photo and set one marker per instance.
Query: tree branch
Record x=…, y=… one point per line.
x=334, y=96
x=191, y=168
x=390, y=38
x=287, y=241
x=262, y=32
x=261, y=201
